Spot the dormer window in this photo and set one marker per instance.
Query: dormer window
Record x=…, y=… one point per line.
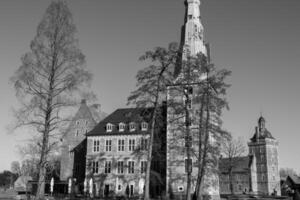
x=109, y=127
x=132, y=126
x=144, y=126
x=121, y=127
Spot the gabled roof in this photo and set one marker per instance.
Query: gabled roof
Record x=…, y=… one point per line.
x=240, y=164
x=125, y=115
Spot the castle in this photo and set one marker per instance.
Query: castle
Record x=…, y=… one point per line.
x=112, y=153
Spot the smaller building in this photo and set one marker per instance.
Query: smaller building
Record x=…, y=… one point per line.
x=241, y=174
x=258, y=172
x=291, y=187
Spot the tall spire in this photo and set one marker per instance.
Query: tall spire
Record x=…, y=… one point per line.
x=193, y=33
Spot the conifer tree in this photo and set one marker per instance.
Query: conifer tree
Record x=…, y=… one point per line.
x=51, y=72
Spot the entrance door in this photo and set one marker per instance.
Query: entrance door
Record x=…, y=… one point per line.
x=106, y=190
x=131, y=190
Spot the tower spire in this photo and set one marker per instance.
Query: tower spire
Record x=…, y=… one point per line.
x=193, y=33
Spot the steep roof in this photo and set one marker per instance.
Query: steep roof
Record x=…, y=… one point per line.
x=262, y=135
x=241, y=164
x=125, y=115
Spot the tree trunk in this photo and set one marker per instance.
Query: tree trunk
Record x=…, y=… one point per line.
x=231, y=181
x=197, y=193
x=48, y=112
x=188, y=151
x=149, y=156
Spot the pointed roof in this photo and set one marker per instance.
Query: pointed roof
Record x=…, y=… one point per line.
x=261, y=131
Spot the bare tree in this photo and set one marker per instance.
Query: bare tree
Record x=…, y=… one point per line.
x=151, y=91
x=49, y=75
x=15, y=168
x=232, y=150
x=285, y=172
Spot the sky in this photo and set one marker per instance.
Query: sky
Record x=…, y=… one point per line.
x=257, y=40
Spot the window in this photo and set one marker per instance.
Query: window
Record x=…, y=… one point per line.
x=108, y=145
x=143, y=167
x=130, y=167
x=77, y=122
x=95, y=166
x=144, y=144
x=144, y=126
x=96, y=145
x=121, y=127
x=86, y=122
x=131, y=144
x=188, y=165
x=109, y=127
x=119, y=187
x=77, y=132
x=121, y=145
x=132, y=126
x=120, y=167
x=107, y=169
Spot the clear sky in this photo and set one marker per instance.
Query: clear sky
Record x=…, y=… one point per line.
x=258, y=40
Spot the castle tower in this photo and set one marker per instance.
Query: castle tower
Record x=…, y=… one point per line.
x=265, y=148
x=192, y=43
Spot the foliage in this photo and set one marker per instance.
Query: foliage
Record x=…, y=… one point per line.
x=46, y=82
x=232, y=149
x=151, y=90
x=7, y=179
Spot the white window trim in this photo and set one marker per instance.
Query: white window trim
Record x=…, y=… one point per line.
x=133, y=166
x=109, y=127
x=123, y=127
x=132, y=124
x=144, y=126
